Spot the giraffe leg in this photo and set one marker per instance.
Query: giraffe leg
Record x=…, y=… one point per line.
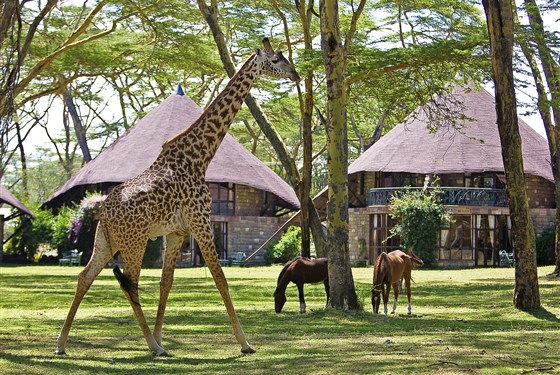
x=101, y=254
x=132, y=267
x=203, y=235
x=173, y=244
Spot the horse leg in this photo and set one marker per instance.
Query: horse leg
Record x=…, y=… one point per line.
x=396, y=294
x=101, y=254
x=327, y=291
x=407, y=284
x=172, y=247
x=301, y=298
x=386, y=288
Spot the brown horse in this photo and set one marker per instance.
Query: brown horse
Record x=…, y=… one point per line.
x=300, y=271
x=388, y=270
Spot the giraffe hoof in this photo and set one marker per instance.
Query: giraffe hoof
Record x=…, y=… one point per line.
x=160, y=352
x=248, y=350
x=59, y=352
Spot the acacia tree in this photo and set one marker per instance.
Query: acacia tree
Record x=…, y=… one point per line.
x=499, y=16
x=341, y=281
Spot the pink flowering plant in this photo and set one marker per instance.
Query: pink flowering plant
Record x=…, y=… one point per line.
x=85, y=216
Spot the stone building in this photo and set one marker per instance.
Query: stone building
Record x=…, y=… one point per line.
x=468, y=163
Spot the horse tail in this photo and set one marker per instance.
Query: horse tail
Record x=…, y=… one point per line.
x=377, y=269
x=414, y=258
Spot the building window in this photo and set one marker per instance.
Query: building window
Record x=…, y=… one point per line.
x=223, y=198
x=220, y=229
x=380, y=236
x=456, y=240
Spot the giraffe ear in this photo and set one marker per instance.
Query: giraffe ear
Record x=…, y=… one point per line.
x=267, y=47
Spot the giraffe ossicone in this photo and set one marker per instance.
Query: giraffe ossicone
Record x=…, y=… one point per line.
x=171, y=199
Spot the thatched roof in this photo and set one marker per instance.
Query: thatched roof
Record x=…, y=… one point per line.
x=138, y=148
x=410, y=147
x=7, y=197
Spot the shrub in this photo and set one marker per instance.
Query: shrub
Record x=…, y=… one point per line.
x=545, y=246
x=419, y=218
x=287, y=248
x=43, y=231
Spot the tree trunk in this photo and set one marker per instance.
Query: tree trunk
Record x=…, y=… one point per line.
x=23, y=161
x=301, y=187
x=342, y=291
x=306, y=110
x=551, y=71
x=317, y=230
x=499, y=15
x=1, y=238
x=78, y=126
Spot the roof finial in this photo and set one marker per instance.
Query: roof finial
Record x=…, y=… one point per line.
x=179, y=90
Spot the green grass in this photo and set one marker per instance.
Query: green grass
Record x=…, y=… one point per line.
x=463, y=321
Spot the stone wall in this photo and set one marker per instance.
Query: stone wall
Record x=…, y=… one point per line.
x=540, y=192
x=542, y=218
x=248, y=200
x=358, y=241
x=248, y=233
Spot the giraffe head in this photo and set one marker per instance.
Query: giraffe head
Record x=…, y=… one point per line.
x=273, y=63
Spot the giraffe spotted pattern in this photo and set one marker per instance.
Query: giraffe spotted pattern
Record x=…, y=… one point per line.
x=171, y=199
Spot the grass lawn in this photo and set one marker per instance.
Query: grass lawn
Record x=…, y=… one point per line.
x=463, y=321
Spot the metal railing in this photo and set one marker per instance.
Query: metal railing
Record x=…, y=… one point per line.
x=462, y=196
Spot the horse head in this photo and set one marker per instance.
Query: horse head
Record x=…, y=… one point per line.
x=279, y=300
x=376, y=298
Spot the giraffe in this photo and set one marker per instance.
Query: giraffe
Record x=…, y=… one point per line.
x=171, y=199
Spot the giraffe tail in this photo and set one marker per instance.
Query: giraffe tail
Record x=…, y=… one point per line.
x=126, y=284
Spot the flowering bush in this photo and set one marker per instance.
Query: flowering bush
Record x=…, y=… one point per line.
x=85, y=215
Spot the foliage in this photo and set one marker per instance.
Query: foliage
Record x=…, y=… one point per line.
x=287, y=248
x=46, y=232
x=545, y=244
x=420, y=217
x=39, y=234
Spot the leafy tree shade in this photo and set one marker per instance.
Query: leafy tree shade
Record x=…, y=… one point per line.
x=419, y=217
x=499, y=16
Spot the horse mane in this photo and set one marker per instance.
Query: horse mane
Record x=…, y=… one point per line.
x=283, y=273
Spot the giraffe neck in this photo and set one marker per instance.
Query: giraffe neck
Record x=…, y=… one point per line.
x=205, y=135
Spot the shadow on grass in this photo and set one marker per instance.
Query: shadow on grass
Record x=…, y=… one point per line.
x=544, y=314
x=122, y=362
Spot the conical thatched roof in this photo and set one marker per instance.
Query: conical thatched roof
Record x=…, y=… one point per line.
x=7, y=197
x=410, y=147
x=137, y=149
